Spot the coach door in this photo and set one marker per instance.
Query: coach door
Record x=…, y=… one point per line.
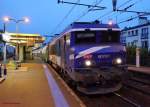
x=65, y=46
x=62, y=44
x=67, y=50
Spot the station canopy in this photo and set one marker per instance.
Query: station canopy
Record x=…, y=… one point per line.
x=23, y=39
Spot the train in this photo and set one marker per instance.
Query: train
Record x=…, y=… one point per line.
x=90, y=56
x=10, y=50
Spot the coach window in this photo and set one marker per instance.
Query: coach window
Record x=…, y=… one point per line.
x=85, y=37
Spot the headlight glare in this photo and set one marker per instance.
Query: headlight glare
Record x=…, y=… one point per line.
x=118, y=61
x=88, y=63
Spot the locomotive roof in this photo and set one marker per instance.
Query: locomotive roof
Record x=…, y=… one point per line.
x=91, y=25
x=81, y=26
x=88, y=25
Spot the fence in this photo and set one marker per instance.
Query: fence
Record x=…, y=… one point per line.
x=144, y=56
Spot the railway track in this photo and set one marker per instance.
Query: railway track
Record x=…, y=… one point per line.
x=126, y=97
x=144, y=81
x=110, y=100
x=139, y=83
x=127, y=100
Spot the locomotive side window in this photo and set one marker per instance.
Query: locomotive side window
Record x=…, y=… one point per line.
x=110, y=36
x=85, y=37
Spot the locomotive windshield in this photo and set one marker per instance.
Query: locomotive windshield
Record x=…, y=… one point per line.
x=110, y=36
x=97, y=37
x=85, y=37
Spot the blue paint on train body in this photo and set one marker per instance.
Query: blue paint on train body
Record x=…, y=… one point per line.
x=103, y=57
x=91, y=53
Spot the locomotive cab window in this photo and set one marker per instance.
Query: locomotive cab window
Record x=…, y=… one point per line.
x=85, y=37
x=110, y=36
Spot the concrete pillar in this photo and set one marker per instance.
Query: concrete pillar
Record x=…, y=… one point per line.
x=21, y=53
x=137, y=57
x=17, y=51
x=5, y=53
x=30, y=55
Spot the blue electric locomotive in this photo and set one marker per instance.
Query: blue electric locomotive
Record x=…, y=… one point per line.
x=91, y=56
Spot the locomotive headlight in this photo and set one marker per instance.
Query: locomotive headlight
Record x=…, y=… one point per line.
x=118, y=61
x=88, y=63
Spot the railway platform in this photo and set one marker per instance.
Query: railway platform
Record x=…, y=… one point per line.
x=35, y=84
x=142, y=69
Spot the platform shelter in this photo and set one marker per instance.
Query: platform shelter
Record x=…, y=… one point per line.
x=24, y=44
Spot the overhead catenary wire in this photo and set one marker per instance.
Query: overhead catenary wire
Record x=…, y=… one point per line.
x=125, y=9
x=87, y=10
x=64, y=18
x=136, y=2
x=111, y=11
x=128, y=8
x=139, y=14
x=118, y=7
x=124, y=4
x=132, y=18
x=87, y=5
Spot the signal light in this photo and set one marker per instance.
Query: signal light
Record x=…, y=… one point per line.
x=87, y=57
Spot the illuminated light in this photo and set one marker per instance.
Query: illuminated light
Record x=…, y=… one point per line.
x=88, y=63
x=68, y=41
x=110, y=22
x=26, y=19
x=6, y=37
x=118, y=61
x=6, y=19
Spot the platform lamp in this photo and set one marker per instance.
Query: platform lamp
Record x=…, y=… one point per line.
x=24, y=19
x=5, y=19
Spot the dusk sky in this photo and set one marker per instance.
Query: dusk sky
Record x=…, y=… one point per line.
x=45, y=15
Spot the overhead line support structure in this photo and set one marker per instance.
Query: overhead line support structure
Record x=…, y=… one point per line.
x=87, y=5
x=124, y=10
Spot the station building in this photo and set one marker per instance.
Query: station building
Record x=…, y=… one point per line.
x=137, y=35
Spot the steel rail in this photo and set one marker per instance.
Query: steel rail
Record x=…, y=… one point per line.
x=127, y=100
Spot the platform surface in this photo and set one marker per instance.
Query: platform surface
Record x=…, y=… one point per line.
x=141, y=69
x=31, y=87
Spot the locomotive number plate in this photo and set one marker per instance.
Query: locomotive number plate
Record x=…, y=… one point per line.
x=103, y=56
